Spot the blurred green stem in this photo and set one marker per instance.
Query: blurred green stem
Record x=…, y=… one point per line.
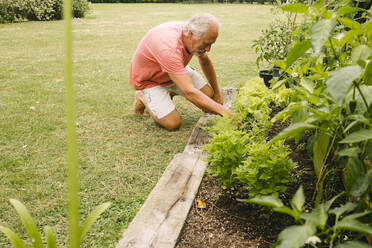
x=73, y=199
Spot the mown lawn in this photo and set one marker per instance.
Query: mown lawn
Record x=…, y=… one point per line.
x=121, y=156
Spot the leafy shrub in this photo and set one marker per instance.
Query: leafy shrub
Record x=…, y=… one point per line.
x=39, y=10
x=333, y=71
x=266, y=169
x=227, y=151
x=273, y=42
x=238, y=151
x=80, y=8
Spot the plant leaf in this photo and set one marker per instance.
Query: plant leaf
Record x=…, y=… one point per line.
x=286, y=210
x=268, y=201
x=360, y=186
x=339, y=81
x=367, y=78
x=295, y=236
x=307, y=84
x=292, y=131
x=358, y=136
x=28, y=222
x=353, y=170
x=320, y=151
x=350, y=36
x=295, y=8
x=298, y=49
x=353, y=244
x=361, y=52
x=343, y=209
x=287, y=112
x=318, y=217
x=369, y=150
x=320, y=32
x=347, y=10
x=50, y=237
x=13, y=237
x=353, y=225
x=347, y=22
x=350, y=152
x=298, y=199
x=92, y=217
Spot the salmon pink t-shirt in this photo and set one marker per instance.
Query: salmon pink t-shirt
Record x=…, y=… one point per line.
x=161, y=51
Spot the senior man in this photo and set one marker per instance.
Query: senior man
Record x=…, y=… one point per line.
x=159, y=69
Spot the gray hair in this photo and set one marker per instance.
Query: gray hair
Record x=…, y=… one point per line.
x=199, y=24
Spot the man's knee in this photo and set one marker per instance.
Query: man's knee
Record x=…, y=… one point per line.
x=172, y=125
x=171, y=122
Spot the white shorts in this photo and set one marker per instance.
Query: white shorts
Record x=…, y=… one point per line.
x=159, y=100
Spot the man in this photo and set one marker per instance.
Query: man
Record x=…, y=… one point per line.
x=159, y=70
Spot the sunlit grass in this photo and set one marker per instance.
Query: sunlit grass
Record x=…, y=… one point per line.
x=121, y=156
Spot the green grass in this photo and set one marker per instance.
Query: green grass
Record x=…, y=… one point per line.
x=121, y=156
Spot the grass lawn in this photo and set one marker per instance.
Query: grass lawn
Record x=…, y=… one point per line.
x=121, y=156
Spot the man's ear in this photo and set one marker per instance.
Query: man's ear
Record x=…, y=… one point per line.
x=190, y=34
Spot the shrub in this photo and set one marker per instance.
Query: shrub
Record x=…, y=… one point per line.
x=38, y=10
x=238, y=150
x=266, y=169
x=227, y=151
x=273, y=43
x=80, y=8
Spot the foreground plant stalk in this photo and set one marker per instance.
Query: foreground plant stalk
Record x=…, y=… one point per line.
x=73, y=199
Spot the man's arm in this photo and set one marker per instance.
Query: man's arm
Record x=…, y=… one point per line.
x=184, y=83
x=210, y=74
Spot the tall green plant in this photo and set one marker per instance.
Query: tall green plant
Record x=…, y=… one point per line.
x=332, y=72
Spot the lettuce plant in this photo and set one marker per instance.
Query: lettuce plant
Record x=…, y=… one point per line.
x=238, y=151
x=266, y=169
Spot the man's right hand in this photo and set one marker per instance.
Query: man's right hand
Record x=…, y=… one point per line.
x=184, y=83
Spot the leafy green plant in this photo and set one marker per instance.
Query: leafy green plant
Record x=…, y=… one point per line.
x=266, y=169
x=332, y=74
x=33, y=233
x=273, y=43
x=317, y=226
x=227, y=150
x=238, y=151
x=40, y=10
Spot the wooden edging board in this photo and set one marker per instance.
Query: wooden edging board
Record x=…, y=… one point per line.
x=161, y=218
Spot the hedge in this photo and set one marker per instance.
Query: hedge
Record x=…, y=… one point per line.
x=38, y=10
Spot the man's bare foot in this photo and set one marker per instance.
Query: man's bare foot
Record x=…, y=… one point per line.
x=138, y=106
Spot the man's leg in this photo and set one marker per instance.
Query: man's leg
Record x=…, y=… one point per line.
x=138, y=106
x=160, y=106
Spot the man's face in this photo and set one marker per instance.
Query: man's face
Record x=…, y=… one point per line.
x=204, y=44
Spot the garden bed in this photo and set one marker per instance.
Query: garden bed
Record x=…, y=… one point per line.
x=226, y=222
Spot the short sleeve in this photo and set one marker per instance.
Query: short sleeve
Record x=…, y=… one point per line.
x=170, y=61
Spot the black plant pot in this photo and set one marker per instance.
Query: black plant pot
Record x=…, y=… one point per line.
x=267, y=75
x=275, y=71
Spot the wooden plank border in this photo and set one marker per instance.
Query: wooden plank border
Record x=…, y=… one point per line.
x=161, y=218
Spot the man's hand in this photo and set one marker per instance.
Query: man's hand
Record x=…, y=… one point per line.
x=201, y=100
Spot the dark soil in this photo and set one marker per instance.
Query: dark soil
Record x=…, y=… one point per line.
x=226, y=222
